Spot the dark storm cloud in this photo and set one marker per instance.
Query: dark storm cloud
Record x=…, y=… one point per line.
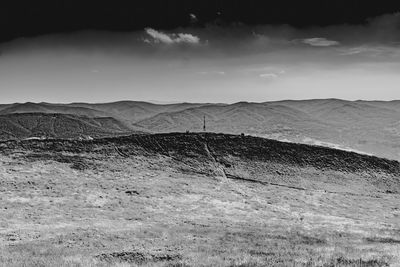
x=32, y=18
x=233, y=38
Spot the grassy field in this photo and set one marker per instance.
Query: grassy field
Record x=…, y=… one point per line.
x=156, y=211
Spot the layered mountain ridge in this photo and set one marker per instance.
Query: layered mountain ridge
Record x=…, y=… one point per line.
x=370, y=127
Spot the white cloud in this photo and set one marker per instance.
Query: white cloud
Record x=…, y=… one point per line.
x=187, y=38
x=268, y=75
x=146, y=40
x=323, y=42
x=193, y=18
x=263, y=69
x=374, y=51
x=264, y=72
x=160, y=37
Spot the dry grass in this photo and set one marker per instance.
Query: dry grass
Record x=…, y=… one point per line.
x=144, y=211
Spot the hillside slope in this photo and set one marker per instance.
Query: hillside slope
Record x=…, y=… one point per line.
x=51, y=108
x=242, y=117
x=127, y=112
x=245, y=157
x=134, y=111
x=26, y=125
x=195, y=200
x=370, y=127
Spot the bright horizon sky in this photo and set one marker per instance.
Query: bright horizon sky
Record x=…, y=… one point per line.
x=212, y=64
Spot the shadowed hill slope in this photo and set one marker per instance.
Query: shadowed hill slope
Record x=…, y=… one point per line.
x=240, y=157
x=133, y=111
x=25, y=125
x=127, y=112
x=51, y=108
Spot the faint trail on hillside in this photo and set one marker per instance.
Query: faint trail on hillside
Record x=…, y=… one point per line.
x=220, y=169
x=214, y=160
x=226, y=177
x=163, y=150
x=233, y=177
x=120, y=152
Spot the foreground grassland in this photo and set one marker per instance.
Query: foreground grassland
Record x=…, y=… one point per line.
x=63, y=208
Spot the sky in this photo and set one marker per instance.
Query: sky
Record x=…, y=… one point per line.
x=205, y=58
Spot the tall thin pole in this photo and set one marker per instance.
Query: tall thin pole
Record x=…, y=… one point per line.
x=204, y=123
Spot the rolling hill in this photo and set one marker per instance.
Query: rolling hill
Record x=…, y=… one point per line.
x=236, y=118
x=371, y=127
x=127, y=112
x=30, y=125
x=52, y=108
x=195, y=199
x=133, y=111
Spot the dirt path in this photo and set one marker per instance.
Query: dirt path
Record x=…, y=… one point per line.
x=220, y=170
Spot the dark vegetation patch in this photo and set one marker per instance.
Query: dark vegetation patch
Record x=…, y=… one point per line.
x=132, y=192
x=138, y=257
x=291, y=237
x=309, y=240
x=342, y=261
x=387, y=240
x=197, y=147
x=224, y=146
x=247, y=264
x=57, y=125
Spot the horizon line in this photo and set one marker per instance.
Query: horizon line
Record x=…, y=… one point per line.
x=165, y=103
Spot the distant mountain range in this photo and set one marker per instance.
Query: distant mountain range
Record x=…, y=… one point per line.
x=371, y=127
